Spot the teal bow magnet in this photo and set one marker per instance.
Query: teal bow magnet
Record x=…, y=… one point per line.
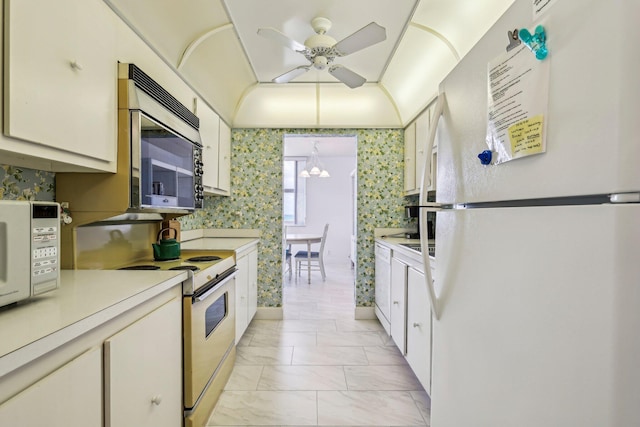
x=536, y=41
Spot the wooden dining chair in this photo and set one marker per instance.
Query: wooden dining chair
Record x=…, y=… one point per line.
x=316, y=260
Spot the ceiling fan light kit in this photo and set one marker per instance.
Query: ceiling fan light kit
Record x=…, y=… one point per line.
x=320, y=50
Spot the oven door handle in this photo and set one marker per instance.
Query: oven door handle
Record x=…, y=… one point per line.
x=207, y=294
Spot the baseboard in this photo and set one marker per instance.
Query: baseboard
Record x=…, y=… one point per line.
x=364, y=313
x=269, y=313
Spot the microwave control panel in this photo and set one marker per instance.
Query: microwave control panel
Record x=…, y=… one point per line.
x=45, y=247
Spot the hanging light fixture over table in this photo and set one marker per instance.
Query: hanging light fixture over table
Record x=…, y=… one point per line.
x=314, y=166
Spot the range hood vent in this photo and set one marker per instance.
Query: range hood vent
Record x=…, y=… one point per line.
x=157, y=92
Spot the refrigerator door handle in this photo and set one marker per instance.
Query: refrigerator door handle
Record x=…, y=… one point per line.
x=426, y=171
x=427, y=261
x=426, y=206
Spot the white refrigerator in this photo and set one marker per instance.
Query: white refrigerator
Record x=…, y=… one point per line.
x=536, y=294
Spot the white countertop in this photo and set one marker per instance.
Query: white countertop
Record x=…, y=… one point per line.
x=85, y=300
x=395, y=243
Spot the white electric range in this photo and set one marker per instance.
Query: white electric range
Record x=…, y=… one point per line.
x=206, y=267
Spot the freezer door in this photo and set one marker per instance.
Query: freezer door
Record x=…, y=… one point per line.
x=593, y=104
x=539, y=317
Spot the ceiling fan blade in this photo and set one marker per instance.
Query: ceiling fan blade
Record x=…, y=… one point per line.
x=346, y=76
x=364, y=37
x=290, y=75
x=278, y=37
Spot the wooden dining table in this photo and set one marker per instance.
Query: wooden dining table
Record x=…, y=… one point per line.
x=308, y=239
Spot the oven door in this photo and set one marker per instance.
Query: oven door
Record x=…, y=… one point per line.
x=209, y=335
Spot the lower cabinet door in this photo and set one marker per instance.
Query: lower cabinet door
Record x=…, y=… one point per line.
x=419, y=328
x=242, y=291
x=399, y=304
x=70, y=396
x=143, y=371
x=252, y=296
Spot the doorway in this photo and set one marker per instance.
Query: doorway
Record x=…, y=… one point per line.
x=310, y=203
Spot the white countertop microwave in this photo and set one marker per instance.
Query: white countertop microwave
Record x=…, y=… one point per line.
x=29, y=249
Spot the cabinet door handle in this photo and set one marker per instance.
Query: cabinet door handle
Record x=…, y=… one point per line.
x=396, y=302
x=157, y=399
x=75, y=65
x=416, y=325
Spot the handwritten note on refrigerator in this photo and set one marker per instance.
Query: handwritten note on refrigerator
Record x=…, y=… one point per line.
x=541, y=6
x=518, y=93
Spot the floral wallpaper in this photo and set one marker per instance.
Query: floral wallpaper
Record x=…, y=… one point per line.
x=26, y=184
x=256, y=200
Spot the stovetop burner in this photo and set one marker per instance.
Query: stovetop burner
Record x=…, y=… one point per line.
x=185, y=267
x=204, y=258
x=141, y=267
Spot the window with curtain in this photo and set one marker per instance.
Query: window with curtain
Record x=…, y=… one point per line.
x=294, y=189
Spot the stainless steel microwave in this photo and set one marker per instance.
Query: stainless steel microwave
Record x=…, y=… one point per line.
x=29, y=249
x=166, y=152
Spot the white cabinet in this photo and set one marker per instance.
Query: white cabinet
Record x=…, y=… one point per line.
x=242, y=295
x=224, y=160
x=383, y=285
x=410, y=158
x=399, y=304
x=246, y=288
x=69, y=396
x=415, y=146
x=60, y=75
x=143, y=371
x=422, y=135
x=216, y=151
x=411, y=313
x=419, y=327
x=252, y=297
x=210, y=135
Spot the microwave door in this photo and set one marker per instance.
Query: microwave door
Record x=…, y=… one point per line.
x=166, y=167
x=134, y=174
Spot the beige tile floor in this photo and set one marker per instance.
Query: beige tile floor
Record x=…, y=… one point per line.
x=319, y=366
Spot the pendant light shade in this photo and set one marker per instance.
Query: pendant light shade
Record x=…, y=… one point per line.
x=314, y=166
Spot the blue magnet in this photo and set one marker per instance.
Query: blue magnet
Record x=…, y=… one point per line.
x=536, y=41
x=485, y=157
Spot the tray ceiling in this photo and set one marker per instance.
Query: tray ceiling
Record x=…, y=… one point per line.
x=214, y=46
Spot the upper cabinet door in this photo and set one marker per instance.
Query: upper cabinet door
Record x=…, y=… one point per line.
x=224, y=162
x=422, y=135
x=410, y=158
x=210, y=135
x=61, y=79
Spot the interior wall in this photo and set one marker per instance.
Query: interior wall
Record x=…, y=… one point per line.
x=329, y=201
x=256, y=200
x=18, y=183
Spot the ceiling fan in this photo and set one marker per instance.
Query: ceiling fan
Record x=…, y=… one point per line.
x=321, y=49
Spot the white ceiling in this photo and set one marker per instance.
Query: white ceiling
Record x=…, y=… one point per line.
x=293, y=18
x=214, y=46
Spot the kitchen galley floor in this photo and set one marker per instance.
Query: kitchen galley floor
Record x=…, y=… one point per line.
x=319, y=366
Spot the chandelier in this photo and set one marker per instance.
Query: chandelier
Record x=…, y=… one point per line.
x=314, y=167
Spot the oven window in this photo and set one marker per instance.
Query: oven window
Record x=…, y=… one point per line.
x=215, y=314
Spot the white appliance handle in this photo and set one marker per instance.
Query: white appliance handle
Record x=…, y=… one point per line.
x=215, y=288
x=426, y=206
